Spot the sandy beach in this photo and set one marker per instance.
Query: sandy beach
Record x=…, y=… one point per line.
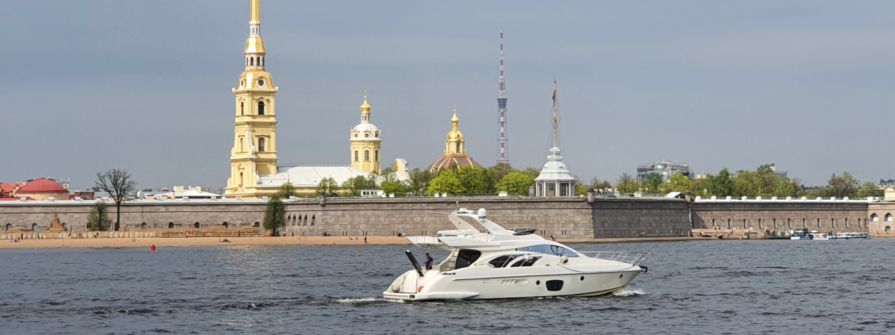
x=254, y=241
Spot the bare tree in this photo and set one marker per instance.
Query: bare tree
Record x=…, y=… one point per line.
x=118, y=184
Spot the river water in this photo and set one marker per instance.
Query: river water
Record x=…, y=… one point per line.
x=702, y=287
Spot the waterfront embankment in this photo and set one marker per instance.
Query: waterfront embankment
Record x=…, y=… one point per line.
x=258, y=241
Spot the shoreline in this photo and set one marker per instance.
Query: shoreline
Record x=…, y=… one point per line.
x=194, y=242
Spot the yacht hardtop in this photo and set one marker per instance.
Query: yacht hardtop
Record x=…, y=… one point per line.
x=508, y=263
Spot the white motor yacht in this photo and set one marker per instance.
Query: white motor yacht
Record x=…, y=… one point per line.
x=502, y=263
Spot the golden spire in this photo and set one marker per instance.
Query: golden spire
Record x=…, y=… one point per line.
x=455, y=136
x=254, y=44
x=256, y=12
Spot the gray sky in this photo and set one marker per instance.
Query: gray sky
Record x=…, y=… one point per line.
x=145, y=85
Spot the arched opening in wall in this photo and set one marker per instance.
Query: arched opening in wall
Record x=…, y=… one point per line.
x=355, y=155
x=874, y=217
x=888, y=229
x=818, y=223
x=713, y=223
x=170, y=225
x=34, y=227
x=759, y=224
x=728, y=224
x=304, y=221
x=889, y=217
x=261, y=144
x=252, y=61
x=313, y=219
x=846, y=222
x=788, y=223
x=260, y=107
x=775, y=223
x=366, y=155
x=8, y=226
x=143, y=225
x=242, y=108
x=376, y=157
x=257, y=224
x=804, y=223
x=745, y=224
x=196, y=225
x=833, y=223
x=226, y=225
x=458, y=148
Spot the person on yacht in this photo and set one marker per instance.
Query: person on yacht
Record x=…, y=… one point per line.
x=429, y=261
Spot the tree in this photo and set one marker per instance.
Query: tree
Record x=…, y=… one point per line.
x=418, y=184
x=498, y=171
x=841, y=186
x=626, y=184
x=286, y=191
x=119, y=185
x=720, y=185
x=652, y=182
x=516, y=183
x=98, y=219
x=388, y=174
x=677, y=183
x=533, y=172
x=397, y=188
x=475, y=180
x=448, y=182
x=868, y=190
x=598, y=184
x=581, y=189
x=358, y=183
x=326, y=186
x=274, y=215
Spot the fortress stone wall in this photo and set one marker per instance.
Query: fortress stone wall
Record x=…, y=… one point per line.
x=572, y=218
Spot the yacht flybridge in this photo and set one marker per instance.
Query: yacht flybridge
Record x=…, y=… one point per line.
x=508, y=263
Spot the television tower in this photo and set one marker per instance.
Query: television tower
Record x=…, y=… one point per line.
x=502, y=155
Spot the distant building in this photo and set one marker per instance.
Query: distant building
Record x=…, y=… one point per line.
x=454, y=155
x=555, y=179
x=35, y=189
x=886, y=183
x=664, y=168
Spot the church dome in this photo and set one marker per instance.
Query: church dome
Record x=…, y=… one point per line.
x=41, y=186
x=455, y=135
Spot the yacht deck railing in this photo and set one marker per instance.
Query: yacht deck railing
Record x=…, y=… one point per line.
x=634, y=258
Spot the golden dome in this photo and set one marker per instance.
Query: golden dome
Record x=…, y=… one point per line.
x=365, y=107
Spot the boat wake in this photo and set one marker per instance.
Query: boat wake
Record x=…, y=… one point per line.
x=628, y=292
x=359, y=301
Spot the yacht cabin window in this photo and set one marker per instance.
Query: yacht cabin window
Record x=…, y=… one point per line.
x=526, y=261
x=502, y=261
x=466, y=257
x=550, y=250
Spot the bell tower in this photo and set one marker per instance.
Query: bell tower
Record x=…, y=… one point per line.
x=366, y=142
x=254, y=152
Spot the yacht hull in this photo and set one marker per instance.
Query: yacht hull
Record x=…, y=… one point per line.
x=457, y=287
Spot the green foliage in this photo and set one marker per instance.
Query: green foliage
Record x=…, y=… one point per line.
x=388, y=175
x=844, y=185
x=600, y=184
x=418, y=183
x=476, y=181
x=498, y=171
x=721, y=185
x=397, y=188
x=286, y=191
x=581, y=189
x=326, y=186
x=626, y=184
x=515, y=183
x=652, y=182
x=677, y=183
x=533, y=172
x=356, y=184
x=98, y=219
x=447, y=181
x=274, y=215
x=868, y=190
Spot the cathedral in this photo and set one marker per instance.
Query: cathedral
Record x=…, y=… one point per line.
x=454, y=154
x=254, y=172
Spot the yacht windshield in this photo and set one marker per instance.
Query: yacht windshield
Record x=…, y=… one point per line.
x=550, y=250
x=466, y=257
